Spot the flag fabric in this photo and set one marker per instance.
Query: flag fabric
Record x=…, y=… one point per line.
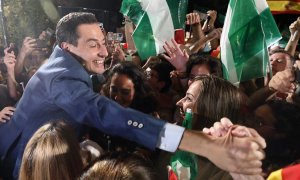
x=288, y=173
x=248, y=31
x=155, y=22
x=185, y=164
x=284, y=6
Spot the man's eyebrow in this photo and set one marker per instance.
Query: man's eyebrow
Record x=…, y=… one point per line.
x=91, y=39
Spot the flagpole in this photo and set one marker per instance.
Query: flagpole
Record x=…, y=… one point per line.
x=2, y=23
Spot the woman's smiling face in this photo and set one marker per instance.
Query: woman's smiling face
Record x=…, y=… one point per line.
x=190, y=98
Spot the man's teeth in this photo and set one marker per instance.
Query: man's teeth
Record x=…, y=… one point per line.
x=98, y=62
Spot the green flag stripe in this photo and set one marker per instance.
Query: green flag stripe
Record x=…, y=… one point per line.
x=144, y=39
x=272, y=34
x=161, y=22
x=132, y=9
x=246, y=35
x=154, y=22
x=245, y=50
x=178, y=12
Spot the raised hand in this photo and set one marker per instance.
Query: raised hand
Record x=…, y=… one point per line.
x=283, y=81
x=29, y=44
x=192, y=18
x=295, y=26
x=118, y=54
x=9, y=60
x=213, y=17
x=176, y=56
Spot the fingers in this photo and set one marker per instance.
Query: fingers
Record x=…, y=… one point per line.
x=172, y=50
x=6, y=114
x=258, y=139
x=192, y=18
x=5, y=117
x=176, y=45
x=226, y=122
x=185, y=54
x=206, y=131
x=167, y=49
x=241, y=131
x=219, y=129
x=167, y=57
x=283, y=81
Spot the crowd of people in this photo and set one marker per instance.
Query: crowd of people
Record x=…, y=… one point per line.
x=89, y=108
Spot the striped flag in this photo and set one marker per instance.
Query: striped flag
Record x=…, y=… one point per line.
x=248, y=31
x=288, y=173
x=155, y=22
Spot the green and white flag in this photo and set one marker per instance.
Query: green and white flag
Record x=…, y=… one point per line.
x=248, y=31
x=155, y=22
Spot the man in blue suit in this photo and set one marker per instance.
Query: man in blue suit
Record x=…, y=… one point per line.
x=62, y=89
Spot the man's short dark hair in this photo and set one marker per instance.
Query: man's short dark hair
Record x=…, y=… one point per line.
x=66, y=29
x=214, y=64
x=283, y=52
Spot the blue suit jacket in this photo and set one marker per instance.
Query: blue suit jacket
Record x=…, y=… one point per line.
x=62, y=89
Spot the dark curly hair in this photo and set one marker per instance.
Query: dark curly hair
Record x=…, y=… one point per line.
x=144, y=98
x=284, y=148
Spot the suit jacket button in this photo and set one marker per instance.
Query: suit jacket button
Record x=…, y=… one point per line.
x=135, y=124
x=141, y=125
x=129, y=122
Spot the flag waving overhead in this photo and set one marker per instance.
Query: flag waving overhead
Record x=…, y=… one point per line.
x=155, y=22
x=248, y=31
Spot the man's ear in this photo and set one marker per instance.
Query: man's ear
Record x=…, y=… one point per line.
x=65, y=46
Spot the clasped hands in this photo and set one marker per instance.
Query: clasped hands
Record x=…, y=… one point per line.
x=245, y=147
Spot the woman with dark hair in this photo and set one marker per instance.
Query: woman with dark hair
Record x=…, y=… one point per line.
x=53, y=152
x=127, y=84
x=210, y=99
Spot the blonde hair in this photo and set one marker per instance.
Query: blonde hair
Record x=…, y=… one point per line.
x=52, y=153
x=120, y=165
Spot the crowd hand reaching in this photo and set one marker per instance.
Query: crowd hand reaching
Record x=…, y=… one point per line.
x=208, y=26
x=29, y=44
x=43, y=35
x=283, y=81
x=9, y=60
x=192, y=19
x=176, y=56
x=118, y=54
x=294, y=27
x=225, y=126
x=213, y=17
x=6, y=113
